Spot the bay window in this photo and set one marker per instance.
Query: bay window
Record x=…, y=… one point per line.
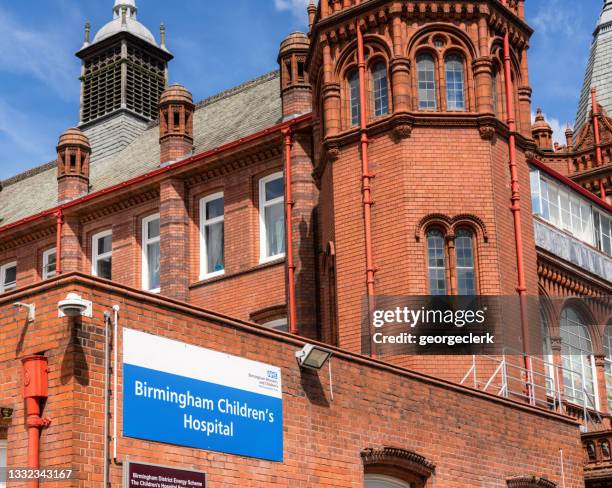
x=212, y=236
x=151, y=253
x=570, y=211
x=272, y=217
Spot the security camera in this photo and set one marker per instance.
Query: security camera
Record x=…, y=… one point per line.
x=74, y=306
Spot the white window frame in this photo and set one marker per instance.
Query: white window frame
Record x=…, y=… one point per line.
x=95, y=257
x=204, y=222
x=3, y=269
x=4, y=447
x=262, y=220
x=145, y=242
x=45, y=263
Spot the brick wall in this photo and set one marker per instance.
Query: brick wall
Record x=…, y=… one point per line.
x=474, y=439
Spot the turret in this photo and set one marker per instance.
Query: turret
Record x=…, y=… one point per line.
x=73, y=153
x=296, y=91
x=175, y=123
x=542, y=132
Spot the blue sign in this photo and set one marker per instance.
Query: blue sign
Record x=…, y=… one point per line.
x=181, y=394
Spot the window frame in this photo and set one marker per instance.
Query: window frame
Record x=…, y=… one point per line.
x=460, y=58
x=205, y=222
x=263, y=204
x=445, y=266
x=472, y=237
x=45, y=263
x=586, y=362
x=95, y=257
x=4, y=447
x=280, y=324
x=3, y=269
x=389, y=480
x=434, y=90
x=353, y=121
x=375, y=63
x=145, y=241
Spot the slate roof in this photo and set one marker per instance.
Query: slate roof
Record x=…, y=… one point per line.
x=599, y=69
x=220, y=119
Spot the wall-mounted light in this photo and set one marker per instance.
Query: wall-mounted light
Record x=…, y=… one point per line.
x=30, y=307
x=74, y=306
x=312, y=357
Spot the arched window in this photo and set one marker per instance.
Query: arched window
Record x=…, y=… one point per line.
x=381, y=481
x=464, y=249
x=353, y=86
x=607, y=345
x=577, y=359
x=426, y=81
x=436, y=262
x=455, y=82
x=380, y=89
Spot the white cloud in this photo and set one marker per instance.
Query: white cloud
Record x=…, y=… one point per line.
x=557, y=127
x=297, y=7
x=44, y=53
x=554, y=17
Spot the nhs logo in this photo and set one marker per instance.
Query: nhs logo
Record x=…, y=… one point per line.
x=272, y=375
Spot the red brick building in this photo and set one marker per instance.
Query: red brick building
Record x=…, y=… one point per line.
x=392, y=154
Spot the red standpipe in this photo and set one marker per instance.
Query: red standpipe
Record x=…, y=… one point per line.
x=598, y=156
x=59, y=215
x=366, y=178
x=293, y=328
x=516, y=211
x=35, y=391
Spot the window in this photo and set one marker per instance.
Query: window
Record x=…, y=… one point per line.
x=436, y=262
x=49, y=264
x=603, y=233
x=607, y=346
x=569, y=211
x=8, y=277
x=494, y=93
x=426, y=81
x=211, y=236
x=278, y=324
x=380, y=481
x=3, y=462
x=381, y=95
x=466, y=280
x=455, y=99
x=353, y=86
x=577, y=359
x=271, y=217
x=102, y=254
x=151, y=253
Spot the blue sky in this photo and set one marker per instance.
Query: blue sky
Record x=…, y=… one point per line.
x=217, y=44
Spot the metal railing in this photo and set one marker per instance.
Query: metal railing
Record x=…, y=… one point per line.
x=539, y=385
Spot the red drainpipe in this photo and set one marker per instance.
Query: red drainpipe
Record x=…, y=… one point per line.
x=516, y=208
x=366, y=178
x=599, y=159
x=293, y=328
x=59, y=215
x=35, y=391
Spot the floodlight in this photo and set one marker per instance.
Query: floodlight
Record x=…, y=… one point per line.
x=312, y=357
